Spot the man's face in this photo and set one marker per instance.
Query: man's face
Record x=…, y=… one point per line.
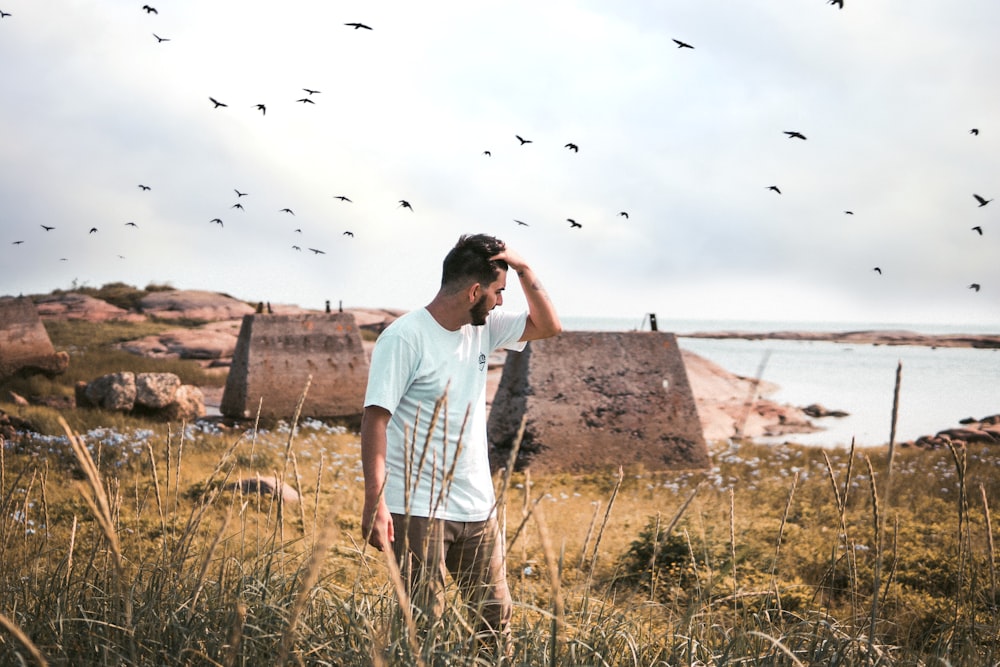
x=490, y=298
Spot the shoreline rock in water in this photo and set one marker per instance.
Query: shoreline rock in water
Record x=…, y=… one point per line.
x=868, y=337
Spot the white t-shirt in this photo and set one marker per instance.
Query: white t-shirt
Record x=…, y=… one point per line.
x=415, y=362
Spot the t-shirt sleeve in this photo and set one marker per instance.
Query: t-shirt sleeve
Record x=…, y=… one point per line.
x=507, y=328
x=391, y=371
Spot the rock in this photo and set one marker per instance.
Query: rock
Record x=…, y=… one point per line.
x=156, y=390
x=17, y=399
x=816, y=410
x=267, y=486
x=75, y=306
x=205, y=343
x=156, y=395
x=193, y=305
x=25, y=346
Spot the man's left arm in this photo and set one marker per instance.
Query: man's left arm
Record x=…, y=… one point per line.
x=543, y=321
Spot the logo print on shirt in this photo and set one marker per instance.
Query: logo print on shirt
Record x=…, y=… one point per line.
x=482, y=361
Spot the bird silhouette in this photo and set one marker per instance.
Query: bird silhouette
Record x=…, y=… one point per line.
x=312, y=92
x=978, y=230
x=351, y=234
x=92, y=230
x=523, y=224
x=16, y=242
x=217, y=221
x=150, y=10
x=775, y=188
x=160, y=39
x=143, y=187
x=48, y=229
x=404, y=204
x=487, y=153
x=316, y=252
x=131, y=224
x=623, y=214
x=974, y=286
x=848, y=212
x=358, y=25
x=4, y=14
x=240, y=194
x=838, y=3
x=982, y=201
x=295, y=247
x=573, y=223
x=217, y=103
x=305, y=100
x=573, y=147
x=682, y=45
x=298, y=231
x=342, y=198
x=877, y=270
x=522, y=140
x=974, y=131
x=263, y=109
x=795, y=135
x=238, y=205
x=286, y=210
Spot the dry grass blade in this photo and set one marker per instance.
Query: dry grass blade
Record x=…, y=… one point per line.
x=781, y=533
x=552, y=564
x=206, y=562
x=312, y=571
x=778, y=645
x=877, y=524
x=404, y=606
x=989, y=543
x=24, y=641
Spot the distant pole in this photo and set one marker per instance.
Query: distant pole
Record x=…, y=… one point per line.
x=652, y=322
x=340, y=306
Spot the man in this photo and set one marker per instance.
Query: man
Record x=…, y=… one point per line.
x=428, y=489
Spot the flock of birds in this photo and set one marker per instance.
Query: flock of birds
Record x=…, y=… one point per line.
x=311, y=95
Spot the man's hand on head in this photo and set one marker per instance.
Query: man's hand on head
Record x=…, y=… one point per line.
x=514, y=260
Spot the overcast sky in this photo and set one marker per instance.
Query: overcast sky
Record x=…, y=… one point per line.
x=686, y=141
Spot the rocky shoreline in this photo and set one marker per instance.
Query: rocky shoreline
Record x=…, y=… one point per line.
x=868, y=337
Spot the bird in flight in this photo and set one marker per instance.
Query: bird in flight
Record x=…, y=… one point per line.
x=240, y=194
x=286, y=210
x=523, y=224
x=351, y=234
x=316, y=252
x=312, y=92
x=217, y=103
x=342, y=198
x=48, y=229
x=978, y=230
x=17, y=242
x=305, y=100
x=982, y=201
x=838, y=3
x=848, y=212
x=143, y=187
x=487, y=153
x=404, y=204
x=3, y=14
x=795, y=135
x=238, y=205
x=682, y=45
x=160, y=39
x=295, y=247
x=573, y=223
x=623, y=214
x=131, y=224
x=92, y=230
x=217, y=221
x=974, y=286
x=974, y=131
x=573, y=147
x=775, y=188
x=150, y=10
x=358, y=25
x=298, y=231
x=877, y=270
x=263, y=109
x=523, y=141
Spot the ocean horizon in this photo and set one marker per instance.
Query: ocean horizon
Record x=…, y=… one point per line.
x=938, y=388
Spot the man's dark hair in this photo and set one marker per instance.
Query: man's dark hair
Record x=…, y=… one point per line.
x=470, y=260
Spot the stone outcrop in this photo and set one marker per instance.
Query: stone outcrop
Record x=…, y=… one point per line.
x=25, y=346
x=985, y=431
x=157, y=395
x=267, y=486
x=865, y=337
x=193, y=305
x=594, y=400
x=276, y=354
x=212, y=341
x=76, y=306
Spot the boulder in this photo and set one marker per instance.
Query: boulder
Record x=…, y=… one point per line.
x=75, y=306
x=816, y=410
x=193, y=305
x=203, y=343
x=157, y=395
x=115, y=391
x=156, y=390
x=267, y=486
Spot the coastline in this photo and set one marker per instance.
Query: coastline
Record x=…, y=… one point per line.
x=866, y=337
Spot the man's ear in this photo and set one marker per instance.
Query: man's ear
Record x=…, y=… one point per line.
x=473, y=291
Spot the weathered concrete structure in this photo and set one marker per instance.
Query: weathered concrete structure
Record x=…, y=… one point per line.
x=596, y=400
x=24, y=344
x=275, y=354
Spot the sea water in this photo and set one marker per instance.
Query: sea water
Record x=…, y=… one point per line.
x=938, y=388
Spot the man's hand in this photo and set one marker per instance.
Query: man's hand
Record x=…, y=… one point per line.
x=376, y=524
x=514, y=261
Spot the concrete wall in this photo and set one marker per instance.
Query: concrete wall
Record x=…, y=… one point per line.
x=274, y=356
x=596, y=400
x=24, y=343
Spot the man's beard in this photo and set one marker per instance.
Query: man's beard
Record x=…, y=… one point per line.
x=479, y=311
